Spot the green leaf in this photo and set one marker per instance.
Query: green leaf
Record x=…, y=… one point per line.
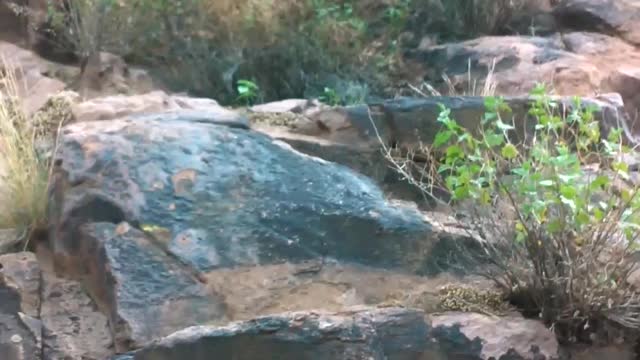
x=582, y=218
x=442, y=138
x=509, y=151
x=493, y=139
x=555, y=226
x=568, y=192
x=454, y=152
x=600, y=182
x=598, y=214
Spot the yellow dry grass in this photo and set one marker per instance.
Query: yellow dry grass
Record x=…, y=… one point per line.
x=23, y=174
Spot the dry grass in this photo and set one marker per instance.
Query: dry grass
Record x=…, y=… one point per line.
x=23, y=173
x=474, y=86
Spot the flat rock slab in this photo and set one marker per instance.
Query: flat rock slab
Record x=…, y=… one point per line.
x=217, y=196
x=357, y=334
x=393, y=334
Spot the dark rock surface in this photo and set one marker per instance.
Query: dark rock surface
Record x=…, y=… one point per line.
x=616, y=17
x=364, y=333
x=224, y=197
x=394, y=334
x=145, y=293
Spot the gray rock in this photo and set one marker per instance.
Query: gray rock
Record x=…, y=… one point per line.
x=360, y=333
x=145, y=293
x=20, y=332
x=394, y=334
x=222, y=196
x=74, y=327
x=9, y=240
x=615, y=17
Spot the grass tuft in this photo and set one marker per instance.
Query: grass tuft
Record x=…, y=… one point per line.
x=24, y=174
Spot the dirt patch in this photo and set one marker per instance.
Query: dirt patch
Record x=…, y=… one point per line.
x=253, y=291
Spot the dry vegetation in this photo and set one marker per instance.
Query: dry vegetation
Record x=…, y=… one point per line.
x=288, y=48
x=24, y=173
x=557, y=212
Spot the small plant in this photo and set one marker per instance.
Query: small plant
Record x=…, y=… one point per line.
x=330, y=97
x=554, y=206
x=248, y=92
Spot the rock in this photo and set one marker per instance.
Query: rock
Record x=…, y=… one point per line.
x=359, y=333
x=74, y=327
x=231, y=197
x=146, y=294
x=117, y=106
x=391, y=333
x=12, y=26
x=472, y=336
x=140, y=215
x=407, y=121
x=253, y=291
x=627, y=81
x=21, y=332
x=616, y=17
x=33, y=86
x=9, y=240
x=572, y=64
x=283, y=106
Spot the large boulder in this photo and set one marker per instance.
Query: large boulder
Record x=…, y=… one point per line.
x=616, y=17
x=144, y=210
x=573, y=64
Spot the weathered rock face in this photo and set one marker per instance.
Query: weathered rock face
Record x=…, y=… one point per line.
x=142, y=207
x=118, y=106
x=378, y=334
x=383, y=333
x=510, y=337
x=229, y=197
x=73, y=326
x=34, y=84
x=616, y=17
x=573, y=64
x=406, y=121
x=20, y=329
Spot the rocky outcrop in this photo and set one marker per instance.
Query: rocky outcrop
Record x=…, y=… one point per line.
x=615, y=17
x=383, y=333
x=376, y=334
x=572, y=64
x=144, y=218
x=153, y=102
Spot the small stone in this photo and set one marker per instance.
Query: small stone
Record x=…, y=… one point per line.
x=16, y=339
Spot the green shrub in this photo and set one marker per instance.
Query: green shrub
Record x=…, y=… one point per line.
x=557, y=211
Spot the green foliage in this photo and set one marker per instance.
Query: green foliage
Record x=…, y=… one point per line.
x=574, y=211
x=330, y=97
x=248, y=92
